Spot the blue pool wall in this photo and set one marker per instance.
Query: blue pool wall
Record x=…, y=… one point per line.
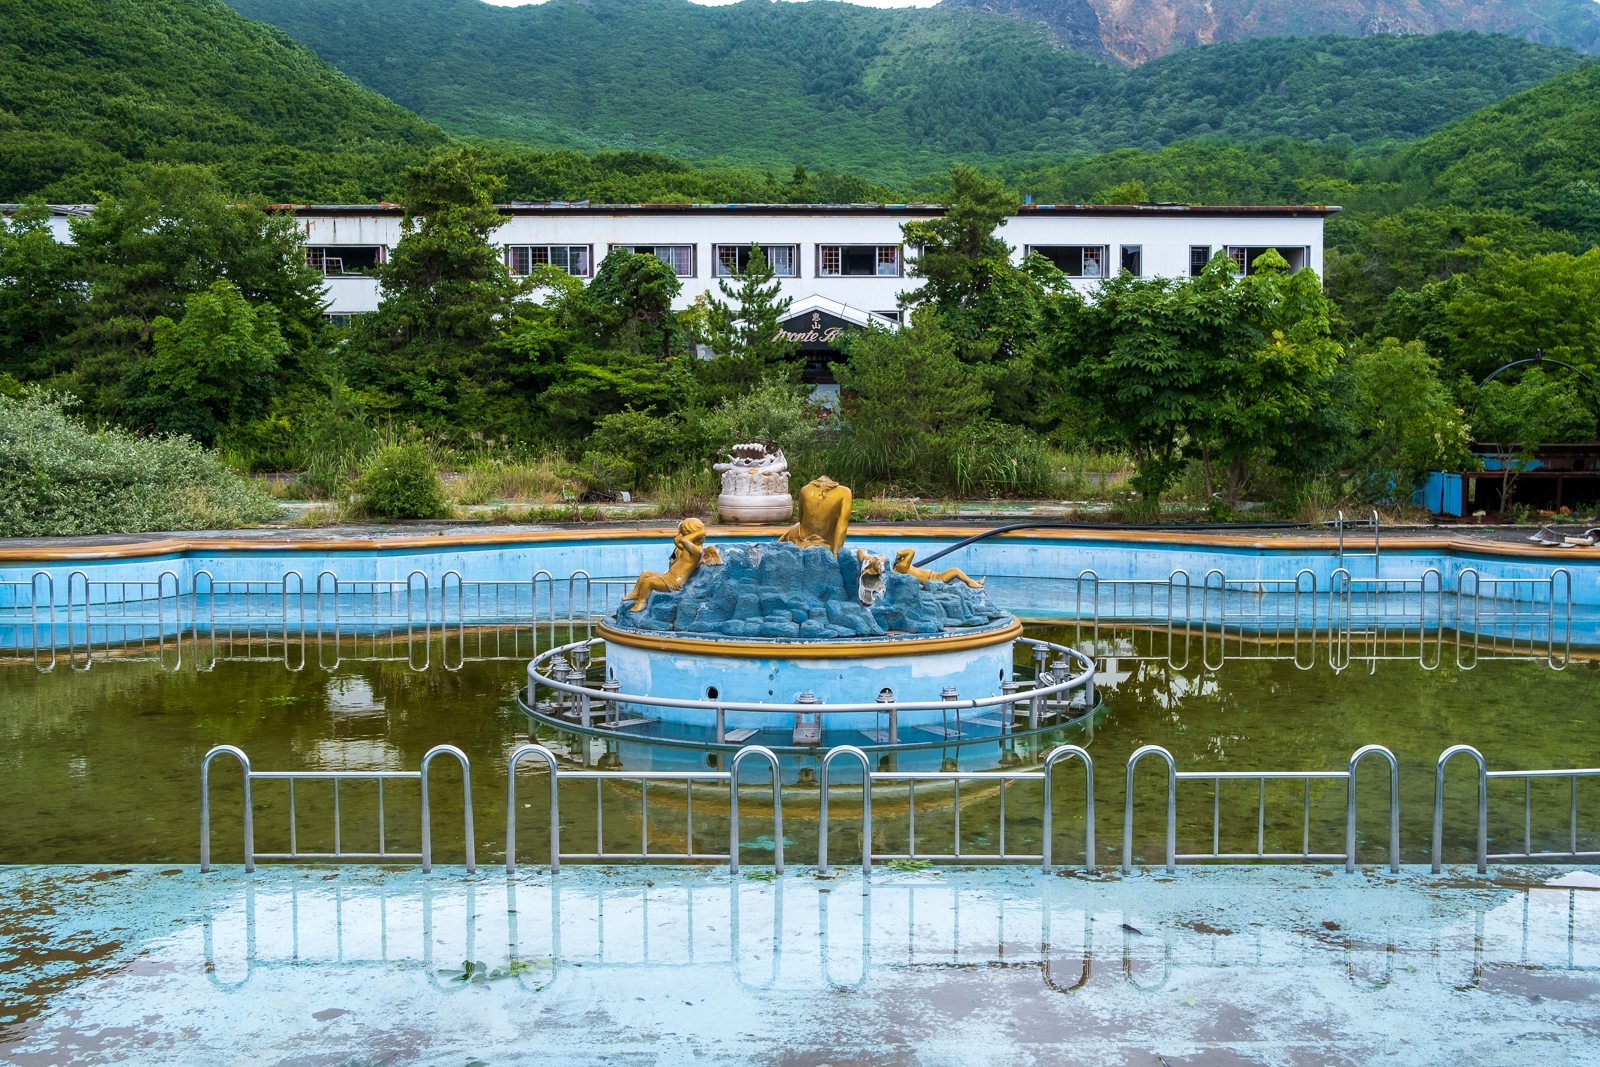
x=1029, y=574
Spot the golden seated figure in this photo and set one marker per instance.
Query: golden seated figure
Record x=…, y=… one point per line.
x=902, y=565
x=689, y=551
x=824, y=515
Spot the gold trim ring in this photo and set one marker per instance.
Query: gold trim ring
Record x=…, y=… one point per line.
x=910, y=645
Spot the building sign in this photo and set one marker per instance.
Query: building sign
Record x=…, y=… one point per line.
x=812, y=331
x=815, y=333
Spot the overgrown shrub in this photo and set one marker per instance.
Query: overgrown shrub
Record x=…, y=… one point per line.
x=400, y=482
x=59, y=478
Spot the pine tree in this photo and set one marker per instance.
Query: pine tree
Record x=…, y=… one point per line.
x=749, y=348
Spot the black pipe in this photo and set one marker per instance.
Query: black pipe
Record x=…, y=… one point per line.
x=1113, y=526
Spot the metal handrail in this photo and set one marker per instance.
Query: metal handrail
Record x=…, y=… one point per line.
x=205, y=808
x=866, y=809
x=1174, y=776
x=1061, y=752
x=557, y=774
x=1484, y=777
x=420, y=775
x=1076, y=681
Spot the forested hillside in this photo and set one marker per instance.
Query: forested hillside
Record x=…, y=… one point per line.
x=893, y=93
x=1539, y=151
x=94, y=91
x=90, y=86
x=1139, y=31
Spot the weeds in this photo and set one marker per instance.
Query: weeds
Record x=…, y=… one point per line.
x=689, y=492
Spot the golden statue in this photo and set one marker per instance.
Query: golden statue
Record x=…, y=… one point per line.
x=824, y=515
x=689, y=551
x=902, y=565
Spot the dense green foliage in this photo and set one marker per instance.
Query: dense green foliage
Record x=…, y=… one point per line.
x=400, y=482
x=892, y=93
x=88, y=87
x=58, y=477
x=94, y=91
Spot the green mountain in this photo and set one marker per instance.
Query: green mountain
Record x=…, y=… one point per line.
x=1538, y=152
x=1140, y=30
x=892, y=93
x=88, y=87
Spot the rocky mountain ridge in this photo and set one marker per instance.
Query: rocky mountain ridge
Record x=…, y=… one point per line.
x=1135, y=31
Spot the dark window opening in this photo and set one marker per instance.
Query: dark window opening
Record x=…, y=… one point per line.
x=1244, y=257
x=1075, y=261
x=337, y=260
x=1133, y=260
x=1199, y=256
x=858, y=261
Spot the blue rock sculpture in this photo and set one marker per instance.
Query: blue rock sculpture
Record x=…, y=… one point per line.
x=780, y=591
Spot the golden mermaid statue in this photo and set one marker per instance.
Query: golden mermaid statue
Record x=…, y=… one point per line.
x=824, y=515
x=902, y=565
x=689, y=551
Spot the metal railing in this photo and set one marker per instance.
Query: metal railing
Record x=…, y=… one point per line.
x=1485, y=776
x=577, y=701
x=1216, y=778
x=728, y=778
x=1381, y=618
x=1522, y=618
x=1044, y=776
x=339, y=853
x=1358, y=619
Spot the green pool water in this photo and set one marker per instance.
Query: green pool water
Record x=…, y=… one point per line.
x=103, y=766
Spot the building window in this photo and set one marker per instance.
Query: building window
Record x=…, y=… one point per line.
x=679, y=257
x=733, y=259
x=1199, y=256
x=858, y=261
x=1244, y=257
x=892, y=316
x=339, y=319
x=1133, y=260
x=1075, y=261
x=344, y=260
x=524, y=259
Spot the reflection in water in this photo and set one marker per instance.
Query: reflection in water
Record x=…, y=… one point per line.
x=102, y=766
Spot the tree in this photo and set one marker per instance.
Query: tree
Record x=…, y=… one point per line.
x=143, y=254
x=1509, y=308
x=1408, y=423
x=1517, y=419
x=1215, y=365
x=39, y=297
x=747, y=344
x=904, y=396
x=990, y=307
x=446, y=298
x=211, y=368
x=1266, y=355
x=613, y=345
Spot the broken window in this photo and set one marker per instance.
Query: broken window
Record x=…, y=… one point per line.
x=1199, y=256
x=858, y=261
x=1244, y=256
x=1075, y=261
x=336, y=260
x=1133, y=260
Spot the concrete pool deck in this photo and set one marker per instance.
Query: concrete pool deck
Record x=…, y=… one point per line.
x=659, y=965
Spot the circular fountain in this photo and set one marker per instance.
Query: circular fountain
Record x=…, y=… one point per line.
x=805, y=642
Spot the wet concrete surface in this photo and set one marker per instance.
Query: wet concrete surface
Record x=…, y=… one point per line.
x=1217, y=965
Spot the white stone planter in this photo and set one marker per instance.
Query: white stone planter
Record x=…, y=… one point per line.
x=742, y=508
